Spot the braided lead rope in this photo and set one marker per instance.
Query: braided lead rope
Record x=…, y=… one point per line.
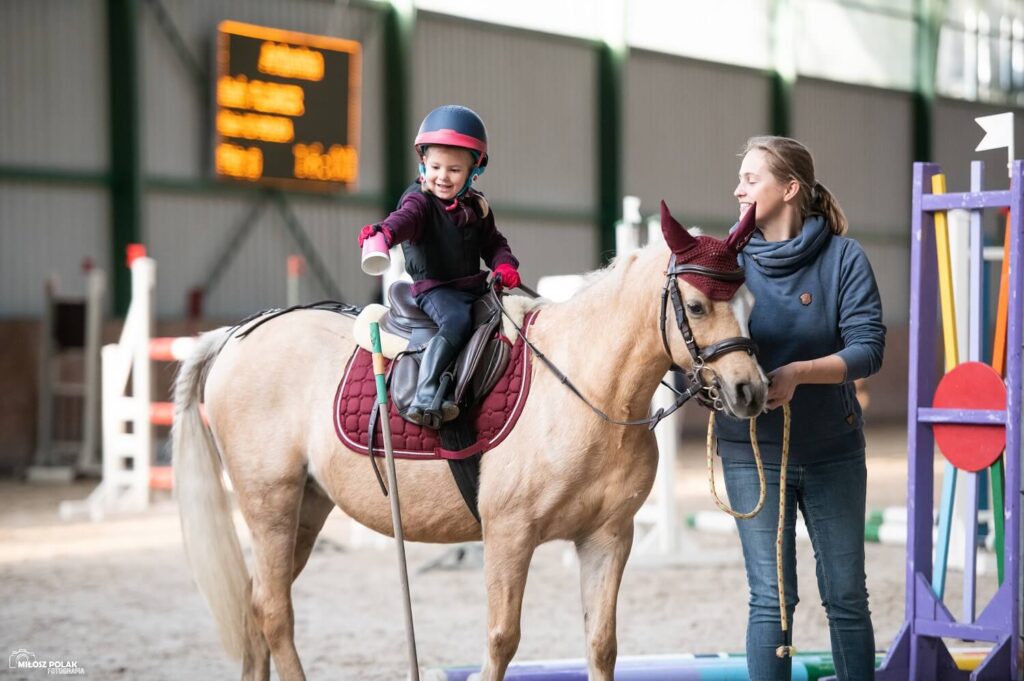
x=783, y=650
x=711, y=470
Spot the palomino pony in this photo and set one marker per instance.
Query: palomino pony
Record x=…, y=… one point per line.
x=564, y=472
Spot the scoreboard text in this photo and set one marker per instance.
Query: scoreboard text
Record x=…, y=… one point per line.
x=287, y=107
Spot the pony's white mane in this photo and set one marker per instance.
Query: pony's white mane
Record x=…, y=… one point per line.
x=517, y=308
x=594, y=276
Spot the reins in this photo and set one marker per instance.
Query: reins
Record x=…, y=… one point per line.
x=650, y=422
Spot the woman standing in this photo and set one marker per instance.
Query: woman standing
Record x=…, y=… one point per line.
x=818, y=323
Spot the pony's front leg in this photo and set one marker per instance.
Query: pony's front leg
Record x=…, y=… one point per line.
x=508, y=550
x=602, y=558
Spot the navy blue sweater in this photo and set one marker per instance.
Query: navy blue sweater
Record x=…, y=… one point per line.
x=815, y=295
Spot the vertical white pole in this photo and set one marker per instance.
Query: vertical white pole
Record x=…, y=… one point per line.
x=111, y=390
x=296, y=265
x=627, y=230
x=665, y=432
x=143, y=275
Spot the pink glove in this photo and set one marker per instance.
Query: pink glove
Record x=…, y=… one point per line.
x=509, y=276
x=369, y=230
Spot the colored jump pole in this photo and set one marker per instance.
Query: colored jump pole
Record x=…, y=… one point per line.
x=396, y=511
x=951, y=353
x=999, y=364
x=673, y=667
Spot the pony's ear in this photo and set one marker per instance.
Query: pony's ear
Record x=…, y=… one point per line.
x=676, y=236
x=741, y=235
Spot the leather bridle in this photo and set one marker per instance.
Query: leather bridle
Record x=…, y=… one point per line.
x=707, y=392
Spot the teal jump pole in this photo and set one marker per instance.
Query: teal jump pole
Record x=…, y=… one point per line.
x=396, y=510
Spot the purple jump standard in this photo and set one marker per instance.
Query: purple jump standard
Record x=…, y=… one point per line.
x=918, y=653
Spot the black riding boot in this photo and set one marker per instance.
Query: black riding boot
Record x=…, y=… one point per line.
x=437, y=357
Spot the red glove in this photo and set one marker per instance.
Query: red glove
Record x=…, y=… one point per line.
x=509, y=276
x=369, y=230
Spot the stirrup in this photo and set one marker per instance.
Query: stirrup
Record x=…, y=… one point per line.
x=434, y=418
x=413, y=415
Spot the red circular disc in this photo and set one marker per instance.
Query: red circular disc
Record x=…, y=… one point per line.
x=971, y=446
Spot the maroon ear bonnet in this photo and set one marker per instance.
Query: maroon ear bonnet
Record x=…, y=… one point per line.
x=706, y=251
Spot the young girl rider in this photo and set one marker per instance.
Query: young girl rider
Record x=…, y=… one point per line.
x=445, y=227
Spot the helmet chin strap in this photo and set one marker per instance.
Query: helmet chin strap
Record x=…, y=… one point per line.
x=477, y=172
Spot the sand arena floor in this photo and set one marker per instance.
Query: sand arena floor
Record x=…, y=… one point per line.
x=116, y=596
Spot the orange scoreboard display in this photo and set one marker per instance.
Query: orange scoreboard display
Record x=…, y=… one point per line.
x=286, y=107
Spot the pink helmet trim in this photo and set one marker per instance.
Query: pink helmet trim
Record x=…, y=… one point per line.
x=453, y=139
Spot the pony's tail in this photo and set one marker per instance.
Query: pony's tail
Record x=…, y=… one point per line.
x=208, y=531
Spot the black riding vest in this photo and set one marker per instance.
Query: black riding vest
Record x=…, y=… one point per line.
x=444, y=251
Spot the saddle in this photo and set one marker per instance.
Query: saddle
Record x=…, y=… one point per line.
x=479, y=365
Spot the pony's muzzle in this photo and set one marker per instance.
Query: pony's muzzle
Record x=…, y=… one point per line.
x=745, y=399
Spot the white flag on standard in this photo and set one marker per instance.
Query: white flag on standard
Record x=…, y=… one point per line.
x=998, y=131
x=998, y=134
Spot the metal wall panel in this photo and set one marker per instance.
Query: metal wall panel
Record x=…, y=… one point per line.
x=536, y=93
x=48, y=230
x=542, y=249
x=176, y=114
x=188, y=235
x=685, y=121
x=890, y=263
x=53, y=84
x=862, y=140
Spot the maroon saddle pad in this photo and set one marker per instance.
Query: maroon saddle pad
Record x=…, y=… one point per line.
x=493, y=419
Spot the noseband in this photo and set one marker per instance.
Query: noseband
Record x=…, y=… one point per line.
x=708, y=393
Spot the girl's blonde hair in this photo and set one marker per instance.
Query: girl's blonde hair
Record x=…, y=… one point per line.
x=789, y=160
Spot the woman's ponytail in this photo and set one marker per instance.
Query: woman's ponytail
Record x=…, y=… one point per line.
x=826, y=205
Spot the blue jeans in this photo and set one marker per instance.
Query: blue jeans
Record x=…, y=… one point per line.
x=452, y=311
x=831, y=496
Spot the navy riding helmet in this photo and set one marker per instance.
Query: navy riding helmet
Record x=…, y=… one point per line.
x=455, y=126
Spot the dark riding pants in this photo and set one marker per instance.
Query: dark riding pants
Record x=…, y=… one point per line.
x=452, y=311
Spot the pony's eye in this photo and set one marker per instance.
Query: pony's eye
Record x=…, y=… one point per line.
x=694, y=308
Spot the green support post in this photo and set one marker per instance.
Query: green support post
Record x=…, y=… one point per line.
x=781, y=104
x=398, y=29
x=610, y=70
x=783, y=76
x=928, y=23
x=125, y=175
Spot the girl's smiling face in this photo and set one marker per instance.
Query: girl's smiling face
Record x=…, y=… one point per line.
x=446, y=170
